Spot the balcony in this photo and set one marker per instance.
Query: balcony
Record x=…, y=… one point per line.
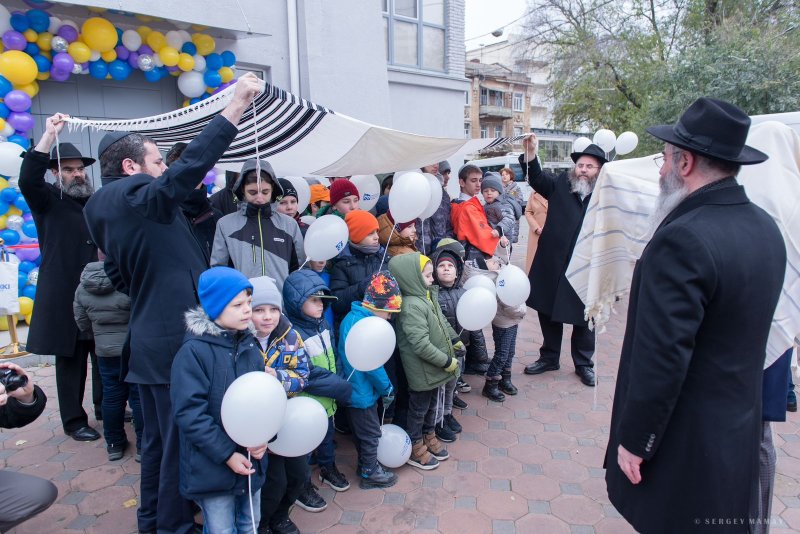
x=495, y=112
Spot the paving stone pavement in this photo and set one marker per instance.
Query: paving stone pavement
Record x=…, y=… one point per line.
x=530, y=464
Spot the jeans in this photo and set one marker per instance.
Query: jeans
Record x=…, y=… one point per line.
x=505, y=342
x=116, y=394
x=422, y=406
x=230, y=514
x=325, y=450
x=367, y=432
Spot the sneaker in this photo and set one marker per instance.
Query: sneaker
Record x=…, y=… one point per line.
x=436, y=449
x=421, y=457
x=284, y=526
x=459, y=403
x=444, y=433
x=452, y=424
x=378, y=478
x=116, y=452
x=463, y=387
x=331, y=476
x=310, y=500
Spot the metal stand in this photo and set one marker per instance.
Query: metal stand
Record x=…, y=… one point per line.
x=15, y=348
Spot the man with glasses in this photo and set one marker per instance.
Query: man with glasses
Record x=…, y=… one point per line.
x=66, y=248
x=552, y=296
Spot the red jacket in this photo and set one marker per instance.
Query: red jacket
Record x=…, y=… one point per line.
x=470, y=224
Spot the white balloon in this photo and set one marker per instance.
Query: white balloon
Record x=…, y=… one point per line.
x=605, y=139
x=326, y=238
x=219, y=181
x=8, y=130
x=131, y=40
x=93, y=56
x=435, y=198
x=253, y=409
x=304, y=427
x=404, y=198
x=174, y=39
x=5, y=20
x=186, y=36
x=476, y=309
x=580, y=144
x=308, y=219
x=369, y=188
x=481, y=280
x=394, y=446
x=55, y=24
x=214, y=189
x=513, y=286
x=191, y=84
x=10, y=158
x=157, y=60
x=626, y=143
x=13, y=182
x=199, y=63
x=369, y=343
x=303, y=192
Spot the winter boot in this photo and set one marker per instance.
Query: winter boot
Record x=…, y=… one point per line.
x=491, y=390
x=435, y=447
x=505, y=383
x=378, y=478
x=422, y=458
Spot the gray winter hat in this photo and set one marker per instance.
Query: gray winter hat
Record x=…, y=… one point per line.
x=492, y=180
x=444, y=166
x=266, y=292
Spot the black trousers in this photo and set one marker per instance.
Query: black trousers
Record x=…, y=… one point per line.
x=422, y=408
x=22, y=497
x=367, y=432
x=162, y=508
x=285, y=481
x=71, y=371
x=582, y=342
x=397, y=412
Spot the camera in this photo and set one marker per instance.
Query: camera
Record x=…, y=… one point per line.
x=12, y=380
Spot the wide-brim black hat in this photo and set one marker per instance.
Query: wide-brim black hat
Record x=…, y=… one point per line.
x=713, y=128
x=67, y=151
x=591, y=150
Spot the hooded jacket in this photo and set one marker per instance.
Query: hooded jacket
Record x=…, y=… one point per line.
x=507, y=316
x=367, y=385
x=449, y=296
x=502, y=217
x=202, y=217
x=471, y=226
x=436, y=227
x=99, y=309
x=350, y=275
x=398, y=245
x=424, y=337
x=208, y=362
x=286, y=354
x=225, y=200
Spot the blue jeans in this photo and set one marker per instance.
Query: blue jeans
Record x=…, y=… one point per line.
x=229, y=514
x=116, y=394
x=505, y=343
x=325, y=450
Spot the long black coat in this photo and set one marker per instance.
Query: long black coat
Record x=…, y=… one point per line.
x=66, y=246
x=138, y=223
x=688, y=394
x=551, y=292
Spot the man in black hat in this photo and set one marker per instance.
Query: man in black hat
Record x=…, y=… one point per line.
x=683, y=449
x=66, y=248
x=555, y=299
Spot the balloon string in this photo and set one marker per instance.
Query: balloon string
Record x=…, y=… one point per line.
x=60, y=180
x=250, y=494
x=422, y=232
x=385, y=250
x=304, y=264
x=351, y=375
x=255, y=139
x=383, y=415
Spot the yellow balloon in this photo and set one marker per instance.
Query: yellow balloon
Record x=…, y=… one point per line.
x=47, y=53
x=13, y=210
x=169, y=56
x=157, y=41
x=109, y=56
x=146, y=18
x=18, y=67
x=3, y=222
x=42, y=76
x=226, y=73
x=97, y=9
x=44, y=41
x=31, y=88
x=2, y=48
x=3, y=183
x=176, y=73
x=3, y=323
x=30, y=35
x=2, y=123
x=185, y=104
x=199, y=27
x=205, y=44
x=28, y=319
x=79, y=52
x=25, y=306
x=143, y=32
x=185, y=62
x=99, y=34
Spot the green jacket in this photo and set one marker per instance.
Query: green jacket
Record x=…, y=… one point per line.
x=424, y=336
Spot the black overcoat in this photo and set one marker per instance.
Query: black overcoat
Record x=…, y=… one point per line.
x=688, y=393
x=66, y=247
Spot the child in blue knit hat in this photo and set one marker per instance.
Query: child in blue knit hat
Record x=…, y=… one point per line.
x=218, y=348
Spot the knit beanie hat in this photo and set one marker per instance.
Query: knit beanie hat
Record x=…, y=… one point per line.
x=492, y=180
x=444, y=166
x=319, y=192
x=400, y=226
x=360, y=224
x=451, y=244
x=266, y=292
x=218, y=286
x=343, y=188
x=383, y=293
x=446, y=255
x=288, y=188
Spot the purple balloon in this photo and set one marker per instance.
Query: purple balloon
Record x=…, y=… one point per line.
x=63, y=62
x=210, y=177
x=122, y=52
x=13, y=40
x=20, y=121
x=144, y=49
x=27, y=217
x=17, y=100
x=173, y=68
x=133, y=59
x=27, y=254
x=68, y=32
x=58, y=75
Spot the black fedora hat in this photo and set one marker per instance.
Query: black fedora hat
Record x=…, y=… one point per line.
x=591, y=150
x=713, y=128
x=67, y=151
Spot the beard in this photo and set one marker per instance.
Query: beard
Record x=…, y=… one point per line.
x=581, y=184
x=673, y=192
x=78, y=190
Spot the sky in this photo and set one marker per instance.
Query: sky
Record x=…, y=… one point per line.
x=485, y=16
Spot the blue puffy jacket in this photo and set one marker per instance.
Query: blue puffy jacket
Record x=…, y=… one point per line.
x=367, y=385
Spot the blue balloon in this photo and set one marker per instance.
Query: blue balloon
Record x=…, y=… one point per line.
x=98, y=69
x=213, y=61
x=20, y=22
x=119, y=37
x=194, y=100
x=189, y=48
x=22, y=204
x=4, y=111
x=152, y=75
x=38, y=260
x=4, y=207
x=29, y=229
x=212, y=78
x=24, y=142
x=9, y=195
x=42, y=63
x=5, y=87
x=11, y=237
x=22, y=280
x=31, y=49
x=29, y=291
x=228, y=58
x=39, y=20
x=24, y=266
x=118, y=69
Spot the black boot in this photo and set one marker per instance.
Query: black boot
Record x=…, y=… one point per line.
x=491, y=390
x=477, y=359
x=505, y=383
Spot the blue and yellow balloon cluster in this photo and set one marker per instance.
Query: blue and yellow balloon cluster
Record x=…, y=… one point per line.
x=19, y=234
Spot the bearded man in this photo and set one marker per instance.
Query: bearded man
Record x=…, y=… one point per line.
x=552, y=296
x=66, y=247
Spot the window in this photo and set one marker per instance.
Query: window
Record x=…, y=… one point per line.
x=498, y=131
x=467, y=99
x=518, y=102
x=484, y=96
x=517, y=131
x=467, y=131
x=555, y=151
x=484, y=132
x=498, y=98
x=415, y=33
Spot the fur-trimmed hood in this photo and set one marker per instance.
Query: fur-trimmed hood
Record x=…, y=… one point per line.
x=199, y=324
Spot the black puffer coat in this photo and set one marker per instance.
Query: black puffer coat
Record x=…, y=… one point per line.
x=350, y=276
x=449, y=296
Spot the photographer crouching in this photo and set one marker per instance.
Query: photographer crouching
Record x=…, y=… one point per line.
x=21, y=496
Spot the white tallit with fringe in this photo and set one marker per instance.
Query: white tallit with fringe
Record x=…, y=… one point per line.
x=617, y=227
x=299, y=137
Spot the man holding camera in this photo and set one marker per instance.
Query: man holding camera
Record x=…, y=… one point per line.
x=21, y=496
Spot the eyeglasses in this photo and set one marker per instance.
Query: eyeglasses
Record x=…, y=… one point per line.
x=587, y=166
x=659, y=160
